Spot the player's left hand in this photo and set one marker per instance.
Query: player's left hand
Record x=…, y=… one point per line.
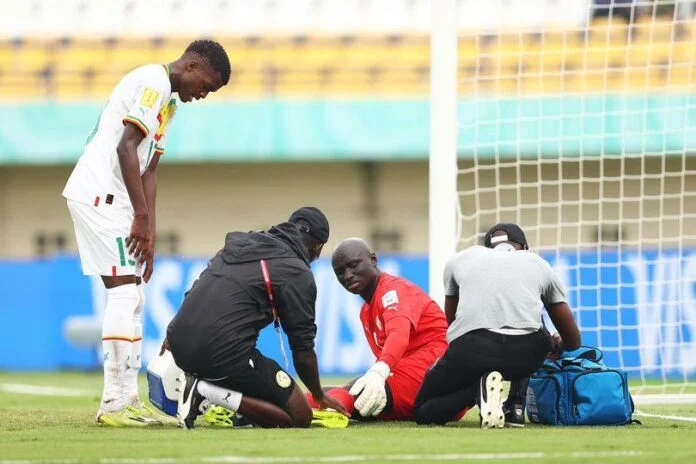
x=371, y=393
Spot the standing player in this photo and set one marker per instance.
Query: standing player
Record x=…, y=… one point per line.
x=494, y=295
x=111, y=198
x=404, y=327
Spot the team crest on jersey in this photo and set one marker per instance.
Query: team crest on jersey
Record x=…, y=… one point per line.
x=283, y=379
x=149, y=99
x=390, y=300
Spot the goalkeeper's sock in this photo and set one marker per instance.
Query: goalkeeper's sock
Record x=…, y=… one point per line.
x=344, y=398
x=135, y=358
x=220, y=396
x=117, y=341
x=339, y=394
x=310, y=399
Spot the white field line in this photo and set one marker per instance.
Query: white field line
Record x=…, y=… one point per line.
x=668, y=417
x=352, y=458
x=657, y=398
x=38, y=390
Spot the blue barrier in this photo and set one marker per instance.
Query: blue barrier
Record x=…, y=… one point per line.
x=643, y=315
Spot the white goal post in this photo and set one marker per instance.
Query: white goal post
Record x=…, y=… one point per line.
x=585, y=135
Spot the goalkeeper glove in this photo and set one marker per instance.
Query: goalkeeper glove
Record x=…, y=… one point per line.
x=372, y=396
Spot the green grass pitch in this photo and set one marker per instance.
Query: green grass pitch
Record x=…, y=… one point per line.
x=58, y=429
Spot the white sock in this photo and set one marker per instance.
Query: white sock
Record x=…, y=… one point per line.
x=220, y=396
x=135, y=359
x=117, y=341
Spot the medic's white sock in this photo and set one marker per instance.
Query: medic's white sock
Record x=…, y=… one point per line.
x=220, y=396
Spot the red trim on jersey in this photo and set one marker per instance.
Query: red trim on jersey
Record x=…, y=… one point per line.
x=137, y=123
x=123, y=339
x=96, y=202
x=113, y=271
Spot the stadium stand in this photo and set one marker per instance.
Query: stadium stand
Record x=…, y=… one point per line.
x=333, y=56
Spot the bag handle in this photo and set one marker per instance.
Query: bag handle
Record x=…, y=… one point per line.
x=584, y=352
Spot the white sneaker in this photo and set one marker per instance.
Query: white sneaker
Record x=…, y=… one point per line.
x=491, y=401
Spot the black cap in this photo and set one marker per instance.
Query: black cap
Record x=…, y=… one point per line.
x=318, y=224
x=513, y=231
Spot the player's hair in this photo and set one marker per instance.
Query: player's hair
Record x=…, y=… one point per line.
x=214, y=54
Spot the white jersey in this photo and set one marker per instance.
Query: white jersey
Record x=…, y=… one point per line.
x=143, y=98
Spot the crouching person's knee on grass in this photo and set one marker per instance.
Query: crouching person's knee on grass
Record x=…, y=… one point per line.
x=296, y=412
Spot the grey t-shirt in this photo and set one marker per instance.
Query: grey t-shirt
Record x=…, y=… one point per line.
x=499, y=289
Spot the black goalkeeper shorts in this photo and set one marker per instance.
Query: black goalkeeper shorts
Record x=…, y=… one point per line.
x=260, y=377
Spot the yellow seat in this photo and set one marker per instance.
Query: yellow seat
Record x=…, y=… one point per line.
x=544, y=84
x=126, y=58
x=100, y=86
x=412, y=55
x=69, y=86
x=296, y=83
x=349, y=82
x=683, y=75
x=683, y=51
x=19, y=86
x=605, y=32
x=646, y=53
x=76, y=59
x=31, y=59
x=603, y=57
x=368, y=55
x=6, y=57
x=401, y=82
x=243, y=83
x=660, y=29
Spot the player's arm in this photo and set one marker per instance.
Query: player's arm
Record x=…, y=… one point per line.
x=554, y=299
x=451, y=303
x=398, y=334
x=149, y=180
x=399, y=317
x=562, y=318
x=127, y=151
x=451, y=291
x=296, y=299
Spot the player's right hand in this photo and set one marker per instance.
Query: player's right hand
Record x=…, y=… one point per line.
x=138, y=241
x=326, y=402
x=370, y=390
x=556, y=346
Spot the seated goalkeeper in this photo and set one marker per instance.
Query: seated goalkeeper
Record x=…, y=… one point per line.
x=404, y=327
x=213, y=336
x=494, y=296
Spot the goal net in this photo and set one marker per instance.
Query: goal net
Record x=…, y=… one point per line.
x=584, y=134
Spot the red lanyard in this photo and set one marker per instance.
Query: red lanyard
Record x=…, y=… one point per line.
x=271, y=299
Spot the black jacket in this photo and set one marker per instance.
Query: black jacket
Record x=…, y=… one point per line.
x=219, y=321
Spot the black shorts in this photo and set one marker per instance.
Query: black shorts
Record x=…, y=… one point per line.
x=260, y=377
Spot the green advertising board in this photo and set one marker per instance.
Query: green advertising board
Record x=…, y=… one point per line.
x=370, y=129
